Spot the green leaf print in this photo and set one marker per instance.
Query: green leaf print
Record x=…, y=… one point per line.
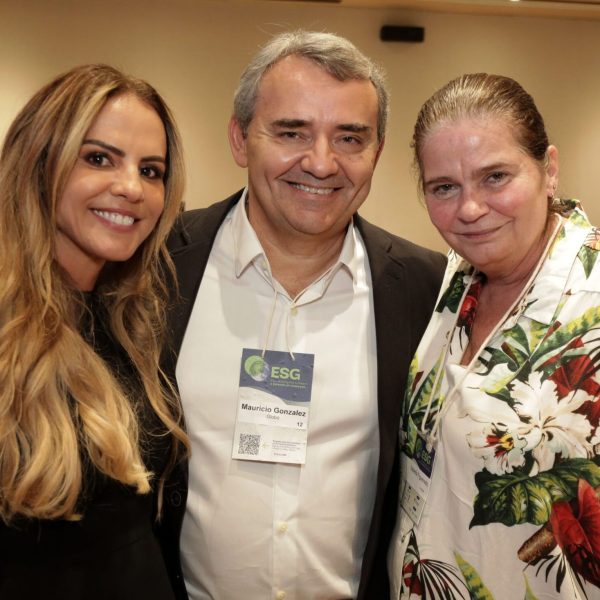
x=477, y=590
x=517, y=334
x=564, y=334
x=413, y=371
x=565, y=357
x=453, y=294
x=410, y=440
x=497, y=385
x=502, y=394
x=496, y=357
x=578, y=218
x=536, y=332
x=588, y=257
x=516, y=354
x=516, y=498
x=420, y=401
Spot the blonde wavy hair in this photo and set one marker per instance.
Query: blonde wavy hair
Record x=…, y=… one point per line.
x=60, y=406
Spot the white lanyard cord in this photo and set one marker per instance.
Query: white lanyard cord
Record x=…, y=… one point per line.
x=440, y=372
x=448, y=400
x=269, y=325
x=287, y=328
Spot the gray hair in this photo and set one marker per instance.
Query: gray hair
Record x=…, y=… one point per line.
x=335, y=54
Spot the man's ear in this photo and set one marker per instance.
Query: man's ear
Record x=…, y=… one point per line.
x=237, y=143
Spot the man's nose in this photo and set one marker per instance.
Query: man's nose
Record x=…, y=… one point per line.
x=320, y=160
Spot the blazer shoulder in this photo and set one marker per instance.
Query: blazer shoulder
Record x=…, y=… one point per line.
x=415, y=258
x=194, y=225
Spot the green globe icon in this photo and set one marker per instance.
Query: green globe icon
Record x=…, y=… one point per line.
x=257, y=367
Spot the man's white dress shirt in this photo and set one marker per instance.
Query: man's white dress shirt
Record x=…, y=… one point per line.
x=257, y=530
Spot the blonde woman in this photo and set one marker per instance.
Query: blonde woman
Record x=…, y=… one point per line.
x=91, y=177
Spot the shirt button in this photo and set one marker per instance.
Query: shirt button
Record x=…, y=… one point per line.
x=294, y=311
x=282, y=528
x=280, y=595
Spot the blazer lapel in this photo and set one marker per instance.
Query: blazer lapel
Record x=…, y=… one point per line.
x=392, y=331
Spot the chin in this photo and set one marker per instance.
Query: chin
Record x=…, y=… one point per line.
x=118, y=256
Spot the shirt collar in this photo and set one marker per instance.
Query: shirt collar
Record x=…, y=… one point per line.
x=248, y=248
x=245, y=241
x=549, y=285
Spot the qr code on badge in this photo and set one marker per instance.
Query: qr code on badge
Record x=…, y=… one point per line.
x=249, y=443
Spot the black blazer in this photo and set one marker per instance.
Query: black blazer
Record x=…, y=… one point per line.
x=406, y=279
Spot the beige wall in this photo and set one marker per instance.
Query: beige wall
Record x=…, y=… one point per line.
x=193, y=51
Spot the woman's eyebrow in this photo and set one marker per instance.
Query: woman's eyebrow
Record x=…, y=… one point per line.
x=119, y=152
x=102, y=144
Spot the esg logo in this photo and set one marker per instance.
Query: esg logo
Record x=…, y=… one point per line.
x=259, y=369
x=285, y=373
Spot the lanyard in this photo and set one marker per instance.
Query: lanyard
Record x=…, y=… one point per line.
x=446, y=403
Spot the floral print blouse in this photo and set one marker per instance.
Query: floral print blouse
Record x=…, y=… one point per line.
x=512, y=510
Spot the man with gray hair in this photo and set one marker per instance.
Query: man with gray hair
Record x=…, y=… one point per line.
x=293, y=336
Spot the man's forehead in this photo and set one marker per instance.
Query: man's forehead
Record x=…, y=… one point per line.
x=299, y=89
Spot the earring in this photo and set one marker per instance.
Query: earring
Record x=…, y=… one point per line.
x=554, y=203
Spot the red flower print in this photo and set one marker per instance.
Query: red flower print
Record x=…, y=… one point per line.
x=468, y=310
x=503, y=441
x=591, y=409
x=411, y=579
x=576, y=527
x=575, y=374
x=418, y=377
x=578, y=373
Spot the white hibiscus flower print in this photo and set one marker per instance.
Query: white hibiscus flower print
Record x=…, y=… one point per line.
x=539, y=422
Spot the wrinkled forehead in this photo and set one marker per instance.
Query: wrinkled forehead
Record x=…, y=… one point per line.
x=480, y=124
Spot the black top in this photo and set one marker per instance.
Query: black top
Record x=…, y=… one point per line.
x=112, y=552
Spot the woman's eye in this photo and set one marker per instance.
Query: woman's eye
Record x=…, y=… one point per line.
x=97, y=159
x=443, y=189
x=152, y=172
x=497, y=177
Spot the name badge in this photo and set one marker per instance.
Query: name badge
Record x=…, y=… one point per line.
x=416, y=473
x=273, y=406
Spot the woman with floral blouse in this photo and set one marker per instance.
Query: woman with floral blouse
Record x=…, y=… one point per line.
x=500, y=464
